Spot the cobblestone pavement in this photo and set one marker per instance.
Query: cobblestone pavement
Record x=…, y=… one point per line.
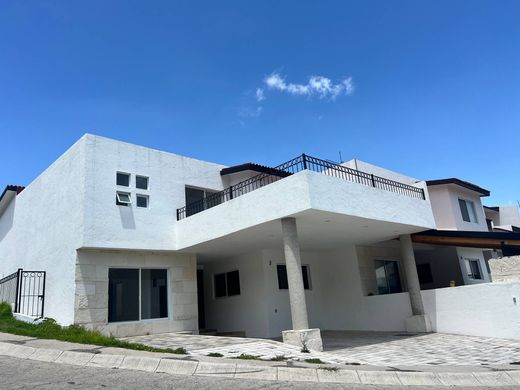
x=372, y=348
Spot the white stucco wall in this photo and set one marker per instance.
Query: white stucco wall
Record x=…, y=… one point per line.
x=110, y=226
x=446, y=210
x=43, y=227
x=336, y=300
x=487, y=310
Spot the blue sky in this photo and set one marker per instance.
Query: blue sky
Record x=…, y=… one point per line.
x=427, y=88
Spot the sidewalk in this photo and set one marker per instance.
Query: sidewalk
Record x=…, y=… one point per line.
x=94, y=356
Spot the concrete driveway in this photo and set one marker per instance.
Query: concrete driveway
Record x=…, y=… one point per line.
x=345, y=347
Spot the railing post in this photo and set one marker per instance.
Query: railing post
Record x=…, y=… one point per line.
x=423, y=194
x=304, y=157
x=177, y=214
x=43, y=292
x=17, y=295
x=373, y=180
x=230, y=192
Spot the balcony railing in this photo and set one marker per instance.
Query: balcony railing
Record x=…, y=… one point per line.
x=296, y=165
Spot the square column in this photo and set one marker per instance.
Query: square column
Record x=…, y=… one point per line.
x=420, y=321
x=300, y=335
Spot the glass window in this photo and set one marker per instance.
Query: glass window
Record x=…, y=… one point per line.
x=467, y=209
x=227, y=284
x=123, y=199
x=473, y=269
x=194, y=201
x=220, y=285
x=283, y=283
x=123, y=179
x=424, y=272
x=387, y=277
x=129, y=300
x=154, y=293
x=141, y=182
x=233, y=283
x=141, y=201
x=198, y=200
x=123, y=295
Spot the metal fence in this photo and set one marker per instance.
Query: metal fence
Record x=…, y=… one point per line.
x=25, y=291
x=296, y=165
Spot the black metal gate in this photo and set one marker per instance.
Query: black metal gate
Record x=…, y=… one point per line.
x=25, y=291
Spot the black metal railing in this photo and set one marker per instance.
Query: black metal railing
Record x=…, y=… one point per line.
x=298, y=164
x=25, y=291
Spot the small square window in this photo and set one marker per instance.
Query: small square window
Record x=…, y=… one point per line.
x=141, y=182
x=123, y=179
x=141, y=201
x=123, y=199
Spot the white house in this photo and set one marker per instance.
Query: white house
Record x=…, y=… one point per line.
x=136, y=241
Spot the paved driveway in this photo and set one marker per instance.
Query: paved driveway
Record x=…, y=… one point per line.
x=372, y=348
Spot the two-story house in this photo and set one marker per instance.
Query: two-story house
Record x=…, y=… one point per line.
x=136, y=240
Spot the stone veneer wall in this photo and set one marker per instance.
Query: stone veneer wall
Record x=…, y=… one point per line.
x=91, y=297
x=505, y=269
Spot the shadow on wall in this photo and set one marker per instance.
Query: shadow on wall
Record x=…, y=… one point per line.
x=7, y=219
x=127, y=217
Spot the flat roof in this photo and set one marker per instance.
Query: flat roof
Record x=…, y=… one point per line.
x=461, y=183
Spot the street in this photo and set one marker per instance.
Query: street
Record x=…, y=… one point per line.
x=29, y=374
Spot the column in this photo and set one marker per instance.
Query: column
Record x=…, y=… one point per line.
x=300, y=334
x=291, y=247
x=420, y=321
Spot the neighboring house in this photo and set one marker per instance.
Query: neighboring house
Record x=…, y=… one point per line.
x=503, y=218
x=136, y=241
x=456, y=206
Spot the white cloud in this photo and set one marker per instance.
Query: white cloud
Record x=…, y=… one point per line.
x=260, y=94
x=249, y=112
x=319, y=86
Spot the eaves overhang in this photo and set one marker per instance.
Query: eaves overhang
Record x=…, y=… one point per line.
x=491, y=240
x=461, y=183
x=8, y=194
x=254, y=167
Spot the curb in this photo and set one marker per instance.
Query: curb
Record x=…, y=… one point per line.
x=244, y=370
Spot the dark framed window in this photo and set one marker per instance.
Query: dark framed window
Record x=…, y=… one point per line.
x=387, y=277
x=154, y=293
x=227, y=284
x=424, y=271
x=283, y=283
x=473, y=269
x=123, y=295
x=141, y=201
x=467, y=209
x=137, y=294
x=141, y=182
x=220, y=286
x=123, y=179
x=198, y=200
x=233, y=283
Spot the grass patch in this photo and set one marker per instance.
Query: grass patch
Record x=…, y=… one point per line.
x=245, y=356
x=314, y=361
x=215, y=354
x=278, y=358
x=49, y=329
x=329, y=368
